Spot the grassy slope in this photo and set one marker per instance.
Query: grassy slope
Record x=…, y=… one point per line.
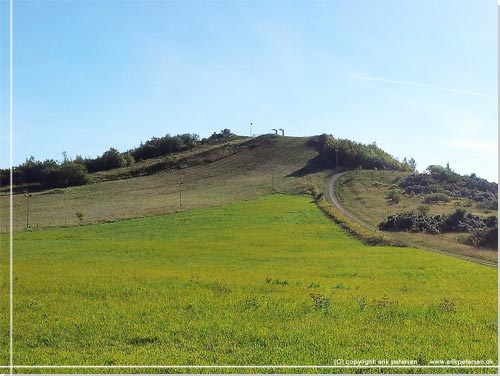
x=365, y=194
x=190, y=288
x=244, y=175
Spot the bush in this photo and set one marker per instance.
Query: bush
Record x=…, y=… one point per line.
x=395, y=196
x=128, y=159
x=424, y=209
x=66, y=175
x=491, y=204
x=485, y=237
x=458, y=221
x=455, y=219
x=79, y=216
x=437, y=197
x=320, y=302
x=107, y=161
x=407, y=221
x=223, y=135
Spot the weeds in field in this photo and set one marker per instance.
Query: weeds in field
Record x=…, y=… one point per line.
x=362, y=303
x=143, y=340
x=194, y=278
x=386, y=309
x=320, y=302
x=251, y=303
x=220, y=289
x=277, y=281
x=447, y=305
x=341, y=286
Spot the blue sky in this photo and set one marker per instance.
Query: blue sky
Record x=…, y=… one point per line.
x=417, y=77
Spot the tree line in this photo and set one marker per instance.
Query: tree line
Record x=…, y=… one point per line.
x=71, y=172
x=355, y=154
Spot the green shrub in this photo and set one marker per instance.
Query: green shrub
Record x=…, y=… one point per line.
x=361, y=303
x=395, y=196
x=79, y=216
x=485, y=237
x=128, y=159
x=424, y=209
x=320, y=302
x=447, y=305
x=437, y=197
x=491, y=204
x=66, y=175
x=251, y=303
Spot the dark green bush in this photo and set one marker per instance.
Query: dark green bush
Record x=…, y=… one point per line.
x=459, y=221
x=66, y=175
x=484, y=237
x=408, y=221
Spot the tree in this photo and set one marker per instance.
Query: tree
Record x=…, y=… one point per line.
x=65, y=175
x=112, y=159
x=79, y=216
x=412, y=164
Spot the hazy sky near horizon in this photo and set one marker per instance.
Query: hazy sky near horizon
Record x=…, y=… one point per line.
x=418, y=77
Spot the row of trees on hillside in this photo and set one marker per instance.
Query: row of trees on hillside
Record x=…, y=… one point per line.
x=48, y=173
x=158, y=146
x=51, y=173
x=355, y=154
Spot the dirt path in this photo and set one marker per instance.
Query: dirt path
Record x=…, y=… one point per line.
x=334, y=200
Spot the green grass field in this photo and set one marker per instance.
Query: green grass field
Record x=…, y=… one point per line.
x=269, y=281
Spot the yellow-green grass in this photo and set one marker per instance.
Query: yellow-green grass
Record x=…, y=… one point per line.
x=247, y=174
x=364, y=193
x=232, y=286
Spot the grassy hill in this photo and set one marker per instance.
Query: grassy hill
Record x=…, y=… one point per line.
x=247, y=271
x=238, y=169
x=270, y=281
x=212, y=175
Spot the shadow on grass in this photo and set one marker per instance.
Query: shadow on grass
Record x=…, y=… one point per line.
x=314, y=165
